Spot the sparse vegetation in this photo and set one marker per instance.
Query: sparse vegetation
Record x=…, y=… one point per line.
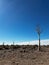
x=24, y=53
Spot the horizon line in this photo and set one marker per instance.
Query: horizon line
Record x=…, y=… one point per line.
x=33, y=42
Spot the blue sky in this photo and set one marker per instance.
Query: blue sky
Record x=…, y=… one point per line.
x=18, y=19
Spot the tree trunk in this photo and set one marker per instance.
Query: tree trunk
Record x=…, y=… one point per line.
x=39, y=44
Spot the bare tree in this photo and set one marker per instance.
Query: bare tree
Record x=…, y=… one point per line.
x=39, y=31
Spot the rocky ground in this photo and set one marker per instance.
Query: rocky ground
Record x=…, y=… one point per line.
x=24, y=55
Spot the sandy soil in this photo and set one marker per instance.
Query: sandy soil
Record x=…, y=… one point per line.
x=24, y=56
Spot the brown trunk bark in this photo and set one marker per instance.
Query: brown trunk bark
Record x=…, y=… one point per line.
x=39, y=43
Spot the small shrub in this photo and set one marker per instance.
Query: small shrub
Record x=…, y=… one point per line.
x=47, y=46
x=35, y=46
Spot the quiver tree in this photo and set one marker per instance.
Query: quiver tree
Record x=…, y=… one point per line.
x=38, y=30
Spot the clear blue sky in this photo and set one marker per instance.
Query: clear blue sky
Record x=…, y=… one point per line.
x=18, y=19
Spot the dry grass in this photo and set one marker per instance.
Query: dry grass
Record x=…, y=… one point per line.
x=24, y=55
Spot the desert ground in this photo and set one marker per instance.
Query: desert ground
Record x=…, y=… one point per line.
x=24, y=55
